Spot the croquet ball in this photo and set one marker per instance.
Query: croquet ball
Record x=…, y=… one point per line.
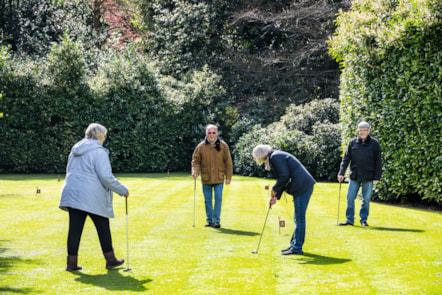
x=231, y=250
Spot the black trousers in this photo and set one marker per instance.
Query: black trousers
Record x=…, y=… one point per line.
x=76, y=224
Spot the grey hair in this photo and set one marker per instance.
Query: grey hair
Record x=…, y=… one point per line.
x=95, y=131
x=363, y=124
x=211, y=126
x=260, y=153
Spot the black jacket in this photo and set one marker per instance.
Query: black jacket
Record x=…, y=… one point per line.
x=364, y=158
x=290, y=173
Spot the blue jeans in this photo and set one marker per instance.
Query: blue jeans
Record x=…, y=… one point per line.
x=213, y=213
x=352, y=193
x=300, y=203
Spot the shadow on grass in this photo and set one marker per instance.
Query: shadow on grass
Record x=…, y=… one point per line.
x=309, y=258
x=396, y=229
x=113, y=280
x=17, y=290
x=7, y=262
x=237, y=232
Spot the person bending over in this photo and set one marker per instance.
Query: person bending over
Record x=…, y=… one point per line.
x=292, y=177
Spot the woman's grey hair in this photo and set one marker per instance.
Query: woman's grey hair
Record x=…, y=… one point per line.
x=211, y=126
x=95, y=131
x=260, y=153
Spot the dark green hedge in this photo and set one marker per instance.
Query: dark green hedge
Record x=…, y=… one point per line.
x=391, y=55
x=154, y=123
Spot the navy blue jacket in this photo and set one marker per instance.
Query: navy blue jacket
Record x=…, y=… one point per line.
x=364, y=158
x=291, y=175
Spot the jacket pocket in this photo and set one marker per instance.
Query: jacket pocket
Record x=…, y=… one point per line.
x=221, y=173
x=205, y=175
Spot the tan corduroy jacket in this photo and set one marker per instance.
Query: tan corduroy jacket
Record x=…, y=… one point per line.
x=213, y=161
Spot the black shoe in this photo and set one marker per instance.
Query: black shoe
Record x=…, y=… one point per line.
x=216, y=225
x=364, y=223
x=208, y=224
x=345, y=223
x=286, y=249
x=290, y=251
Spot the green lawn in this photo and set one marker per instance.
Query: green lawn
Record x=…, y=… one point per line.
x=400, y=253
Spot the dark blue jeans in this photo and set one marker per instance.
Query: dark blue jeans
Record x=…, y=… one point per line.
x=213, y=211
x=300, y=203
x=352, y=193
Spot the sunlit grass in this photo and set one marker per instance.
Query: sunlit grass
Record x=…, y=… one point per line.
x=400, y=253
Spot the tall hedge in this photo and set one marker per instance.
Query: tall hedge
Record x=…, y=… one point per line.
x=154, y=123
x=390, y=54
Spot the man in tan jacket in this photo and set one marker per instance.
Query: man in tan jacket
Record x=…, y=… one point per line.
x=211, y=158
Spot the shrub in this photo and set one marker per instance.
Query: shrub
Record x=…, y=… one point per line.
x=304, y=117
x=136, y=112
x=318, y=151
x=154, y=124
x=327, y=138
x=391, y=73
x=45, y=105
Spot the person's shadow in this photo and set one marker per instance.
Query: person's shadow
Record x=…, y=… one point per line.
x=309, y=258
x=236, y=232
x=113, y=280
x=396, y=229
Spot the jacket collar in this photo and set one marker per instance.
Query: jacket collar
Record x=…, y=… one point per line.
x=366, y=141
x=206, y=140
x=216, y=143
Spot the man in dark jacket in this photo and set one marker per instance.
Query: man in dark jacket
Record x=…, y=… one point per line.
x=364, y=156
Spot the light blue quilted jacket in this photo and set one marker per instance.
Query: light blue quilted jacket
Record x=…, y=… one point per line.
x=89, y=183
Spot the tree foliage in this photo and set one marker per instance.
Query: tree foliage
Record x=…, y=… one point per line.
x=30, y=26
x=390, y=53
x=274, y=52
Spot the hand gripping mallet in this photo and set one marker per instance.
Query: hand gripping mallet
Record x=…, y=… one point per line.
x=127, y=238
x=256, y=251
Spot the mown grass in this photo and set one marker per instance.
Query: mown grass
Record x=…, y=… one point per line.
x=400, y=253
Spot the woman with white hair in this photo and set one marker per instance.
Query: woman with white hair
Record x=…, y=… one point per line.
x=87, y=190
x=293, y=178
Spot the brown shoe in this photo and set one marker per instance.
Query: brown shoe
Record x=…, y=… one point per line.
x=72, y=263
x=111, y=260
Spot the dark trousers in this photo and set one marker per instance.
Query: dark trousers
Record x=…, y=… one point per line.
x=76, y=224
